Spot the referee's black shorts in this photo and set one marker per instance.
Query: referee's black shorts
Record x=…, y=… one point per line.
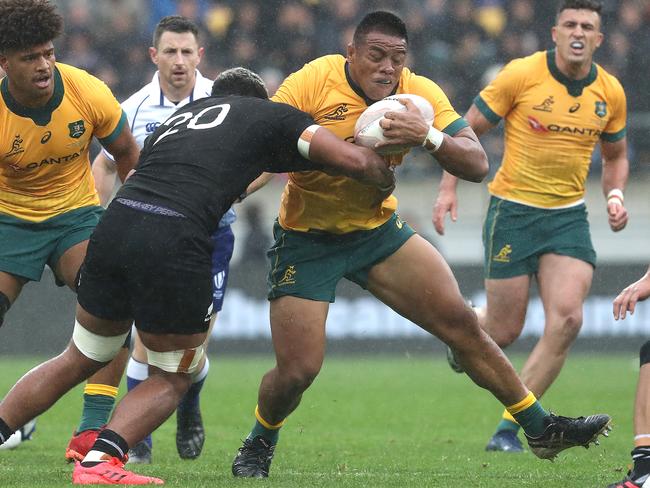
x=152, y=268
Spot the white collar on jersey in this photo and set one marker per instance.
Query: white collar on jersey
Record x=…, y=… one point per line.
x=202, y=88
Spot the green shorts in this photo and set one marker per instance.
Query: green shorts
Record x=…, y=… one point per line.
x=310, y=264
x=26, y=247
x=515, y=236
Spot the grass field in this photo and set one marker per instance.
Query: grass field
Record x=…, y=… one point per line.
x=368, y=421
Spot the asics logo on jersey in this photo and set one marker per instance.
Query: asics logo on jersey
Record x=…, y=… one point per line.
x=601, y=109
x=503, y=256
x=77, y=129
x=574, y=108
x=151, y=126
x=16, y=146
x=546, y=105
x=289, y=276
x=337, y=113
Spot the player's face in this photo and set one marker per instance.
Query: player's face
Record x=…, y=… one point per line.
x=31, y=74
x=577, y=36
x=177, y=56
x=376, y=63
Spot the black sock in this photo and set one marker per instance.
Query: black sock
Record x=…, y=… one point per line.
x=111, y=443
x=5, y=431
x=641, y=458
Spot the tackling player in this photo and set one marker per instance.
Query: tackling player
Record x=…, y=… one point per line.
x=557, y=106
x=49, y=112
x=150, y=257
x=177, y=53
x=330, y=228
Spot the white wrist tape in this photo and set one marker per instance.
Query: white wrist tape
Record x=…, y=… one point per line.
x=305, y=140
x=615, y=193
x=433, y=140
x=96, y=347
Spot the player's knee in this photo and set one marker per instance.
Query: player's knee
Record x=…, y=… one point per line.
x=4, y=306
x=301, y=374
x=97, y=347
x=644, y=354
x=179, y=361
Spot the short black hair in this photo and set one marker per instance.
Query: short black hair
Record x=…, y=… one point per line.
x=174, y=23
x=27, y=23
x=593, y=5
x=239, y=81
x=380, y=21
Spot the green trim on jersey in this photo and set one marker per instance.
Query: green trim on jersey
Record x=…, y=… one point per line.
x=614, y=137
x=574, y=87
x=456, y=126
x=487, y=112
x=41, y=115
x=116, y=132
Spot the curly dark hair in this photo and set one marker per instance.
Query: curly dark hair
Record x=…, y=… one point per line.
x=27, y=23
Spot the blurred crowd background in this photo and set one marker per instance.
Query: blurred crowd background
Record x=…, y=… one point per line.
x=460, y=44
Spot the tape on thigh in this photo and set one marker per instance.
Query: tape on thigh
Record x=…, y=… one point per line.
x=180, y=361
x=97, y=347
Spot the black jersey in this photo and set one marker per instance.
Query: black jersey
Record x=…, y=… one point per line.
x=202, y=158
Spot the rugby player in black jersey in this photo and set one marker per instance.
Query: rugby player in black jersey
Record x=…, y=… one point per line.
x=149, y=258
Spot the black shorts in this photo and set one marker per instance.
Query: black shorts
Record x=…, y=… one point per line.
x=155, y=269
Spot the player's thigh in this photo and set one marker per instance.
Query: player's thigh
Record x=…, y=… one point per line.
x=416, y=282
x=306, y=265
x=11, y=285
x=74, y=229
x=298, y=332
x=26, y=247
x=511, y=239
x=564, y=283
x=507, y=302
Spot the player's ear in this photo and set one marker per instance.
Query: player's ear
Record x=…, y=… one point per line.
x=201, y=51
x=350, y=52
x=153, y=54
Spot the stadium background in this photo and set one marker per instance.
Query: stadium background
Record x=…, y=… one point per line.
x=459, y=44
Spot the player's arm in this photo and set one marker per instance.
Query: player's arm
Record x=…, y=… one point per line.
x=616, y=168
x=105, y=174
x=256, y=184
x=631, y=294
x=125, y=151
x=447, y=200
x=323, y=147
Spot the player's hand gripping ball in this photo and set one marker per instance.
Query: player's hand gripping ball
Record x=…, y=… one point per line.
x=368, y=132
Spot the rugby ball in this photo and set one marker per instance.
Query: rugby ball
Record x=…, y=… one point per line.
x=368, y=132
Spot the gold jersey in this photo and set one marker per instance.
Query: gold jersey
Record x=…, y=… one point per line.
x=552, y=124
x=44, y=161
x=337, y=204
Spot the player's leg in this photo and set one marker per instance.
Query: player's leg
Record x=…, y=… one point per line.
x=190, y=434
x=172, y=357
x=298, y=331
x=101, y=388
x=94, y=343
x=417, y=283
x=305, y=270
x=10, y=287
x=504, y=316
x=563, y=284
